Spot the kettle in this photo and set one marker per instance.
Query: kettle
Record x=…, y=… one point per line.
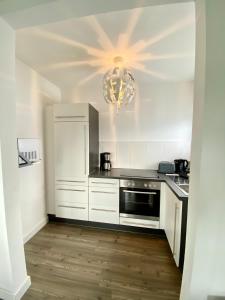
x=181, y=166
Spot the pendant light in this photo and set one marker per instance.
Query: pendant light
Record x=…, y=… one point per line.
x=119, y=85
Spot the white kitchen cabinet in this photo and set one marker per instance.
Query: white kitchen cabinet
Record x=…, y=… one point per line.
x=71, y=112
x=177, y=231
x=102, y=182
x=172, y=222
x=71, y=202
x=71, y=150
x=71, y=194
x=78, y=212
x=104, y=201
x=72, y=144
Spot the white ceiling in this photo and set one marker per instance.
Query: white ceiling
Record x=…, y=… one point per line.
x=27, y=13
x=156, y=42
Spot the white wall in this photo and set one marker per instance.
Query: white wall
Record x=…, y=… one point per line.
x=204, y=268
x=13, y=276
x=33, y=93
x=156, y=126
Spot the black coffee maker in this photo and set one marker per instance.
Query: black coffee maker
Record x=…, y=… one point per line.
x=181, y=167
x=105, y=163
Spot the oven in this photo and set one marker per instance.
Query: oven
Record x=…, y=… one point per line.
x=140, y=203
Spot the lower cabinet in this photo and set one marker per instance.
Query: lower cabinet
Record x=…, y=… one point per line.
x=99, y=202
x=173, y=218
x=72, y=202
x=104, y=204
x=77, y=212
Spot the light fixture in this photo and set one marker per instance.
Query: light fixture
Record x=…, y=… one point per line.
x=118, y=84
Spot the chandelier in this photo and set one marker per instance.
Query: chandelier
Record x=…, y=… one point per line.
x=118, y=85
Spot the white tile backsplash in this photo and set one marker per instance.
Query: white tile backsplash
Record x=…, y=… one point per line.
x=144, y=155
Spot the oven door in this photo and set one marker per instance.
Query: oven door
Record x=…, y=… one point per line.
x=139, y=203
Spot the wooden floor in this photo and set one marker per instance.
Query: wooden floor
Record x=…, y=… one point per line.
x=71, y=262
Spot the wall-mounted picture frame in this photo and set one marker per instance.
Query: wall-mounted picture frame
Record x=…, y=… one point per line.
x=28, y=151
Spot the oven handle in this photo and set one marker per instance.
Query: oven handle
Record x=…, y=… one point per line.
x=136, y=192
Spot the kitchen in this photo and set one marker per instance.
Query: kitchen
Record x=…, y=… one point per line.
x=104, y=118
x=125, y=192
x=155, y=126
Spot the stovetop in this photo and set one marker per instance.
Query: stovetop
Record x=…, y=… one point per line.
x=145, y=174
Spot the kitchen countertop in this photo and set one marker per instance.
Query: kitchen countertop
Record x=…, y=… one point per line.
x=141, y=174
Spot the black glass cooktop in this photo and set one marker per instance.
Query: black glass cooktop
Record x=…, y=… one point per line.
x=139, y=174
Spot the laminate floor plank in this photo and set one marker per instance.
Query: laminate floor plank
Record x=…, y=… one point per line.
x=79, y=263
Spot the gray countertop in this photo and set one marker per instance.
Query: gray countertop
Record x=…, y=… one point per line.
x=141, y=174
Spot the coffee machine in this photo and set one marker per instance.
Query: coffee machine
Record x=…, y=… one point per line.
x=181, y=167
x=105, y=163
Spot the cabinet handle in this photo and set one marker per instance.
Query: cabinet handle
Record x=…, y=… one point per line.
x=141, y=224
x=102, y=192
x=105, y=210
x=73, y=190
x=136, y=192
x=85, y=150
x=175, y=229
x=68, y=117
x=78, y=181
x=78, y=207
x=96, y=182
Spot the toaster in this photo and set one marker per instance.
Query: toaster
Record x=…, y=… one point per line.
x=166, y=167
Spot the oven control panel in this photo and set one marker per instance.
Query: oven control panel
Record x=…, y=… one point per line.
x=141, y=184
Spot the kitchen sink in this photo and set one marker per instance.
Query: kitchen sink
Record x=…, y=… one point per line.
x=184, y=187
x=182, y=183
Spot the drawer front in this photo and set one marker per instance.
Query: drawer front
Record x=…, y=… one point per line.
x=139, y=223
x=103, y=215
x=71, y=112
x=75, y=212
x=71, y=195
x=72, y=181
x=105, y=198
x=101, y=182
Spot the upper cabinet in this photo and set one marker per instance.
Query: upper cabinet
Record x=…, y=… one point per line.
x=78, y=112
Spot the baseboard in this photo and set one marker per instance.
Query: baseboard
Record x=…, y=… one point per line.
x=23, y=288
x=35, y=229
x=7, y=295
x=124, y=228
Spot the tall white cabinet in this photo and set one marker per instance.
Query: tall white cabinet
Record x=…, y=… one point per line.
x=74, y=155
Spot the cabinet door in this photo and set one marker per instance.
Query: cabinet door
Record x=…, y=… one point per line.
x=177, y=231
x=71, y=112
x=170, y=216
x=71, y=150
x=104, y=205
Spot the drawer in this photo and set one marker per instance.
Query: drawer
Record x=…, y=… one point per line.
x=139, y=223
x=71, y=194
x=102, y=182
x=75, y=212
x=71, y=112
x=105, y=198
x=103, y=215
x=72, y=181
